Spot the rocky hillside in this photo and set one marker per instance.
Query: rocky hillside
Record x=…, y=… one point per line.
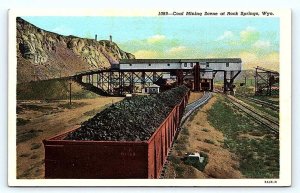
x=43, y=55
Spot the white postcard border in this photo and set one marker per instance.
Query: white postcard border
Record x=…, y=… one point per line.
x=285, y=105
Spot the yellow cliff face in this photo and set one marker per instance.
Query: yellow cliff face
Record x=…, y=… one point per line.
x=44, y=55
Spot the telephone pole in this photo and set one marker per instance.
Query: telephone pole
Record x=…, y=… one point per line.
x=70, y=94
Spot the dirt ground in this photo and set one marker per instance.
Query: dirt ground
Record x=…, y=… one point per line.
x=39, y=120
x=202, y=137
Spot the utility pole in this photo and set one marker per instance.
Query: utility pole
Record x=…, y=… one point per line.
x=70, y=94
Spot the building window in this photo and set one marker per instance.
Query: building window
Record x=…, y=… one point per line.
x=227, y=64
x=168, y=64
x=149, y=64
x=185, y=64
x=207, y=65
x=191, y=64
x=130, y=64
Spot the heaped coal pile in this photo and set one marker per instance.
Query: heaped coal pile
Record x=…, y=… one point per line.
x=133, y=119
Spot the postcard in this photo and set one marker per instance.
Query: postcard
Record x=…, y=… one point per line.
x=113, y=97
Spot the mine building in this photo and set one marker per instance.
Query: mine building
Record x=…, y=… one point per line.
x=152, y=89
x=135, y=75
x=218, y=64
x=230, y=67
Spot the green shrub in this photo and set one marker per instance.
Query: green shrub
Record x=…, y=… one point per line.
x=21, y=121
x=209, y=141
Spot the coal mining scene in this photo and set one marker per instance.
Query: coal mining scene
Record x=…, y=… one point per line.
x=147, y=98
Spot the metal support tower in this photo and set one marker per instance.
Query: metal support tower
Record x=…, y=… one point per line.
x=265, y=80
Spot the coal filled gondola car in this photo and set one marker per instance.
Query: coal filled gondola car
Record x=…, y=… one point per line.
x=113, y=159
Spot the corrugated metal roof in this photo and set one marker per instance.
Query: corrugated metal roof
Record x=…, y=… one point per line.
x=211, y=60
x=126, y=61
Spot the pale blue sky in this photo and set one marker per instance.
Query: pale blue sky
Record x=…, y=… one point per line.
x=254, y=39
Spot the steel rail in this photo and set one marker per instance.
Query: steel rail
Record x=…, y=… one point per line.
x=260, y=102
x=262, y=119
x=190, y=108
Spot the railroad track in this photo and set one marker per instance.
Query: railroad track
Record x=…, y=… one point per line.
x=262, y=103
x=189, y=109
x=261, y=118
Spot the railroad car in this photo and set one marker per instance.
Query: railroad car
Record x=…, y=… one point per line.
x=113, y=159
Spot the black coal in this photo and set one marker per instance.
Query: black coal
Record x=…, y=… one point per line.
x=134, y=119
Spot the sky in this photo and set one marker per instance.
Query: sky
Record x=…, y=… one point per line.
x=255, y=40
